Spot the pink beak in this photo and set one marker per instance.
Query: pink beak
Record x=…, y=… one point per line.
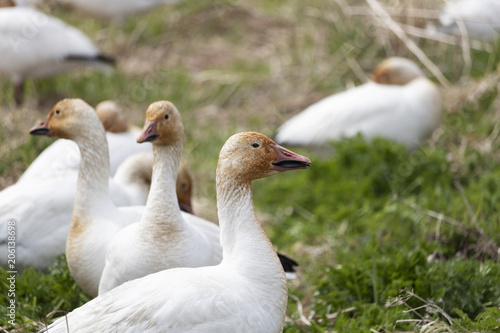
x=288, y=160
x=149, y=132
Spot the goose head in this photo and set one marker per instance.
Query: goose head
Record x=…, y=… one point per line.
x=68, y=119
x=163, y=125
x=111, y=117
x=396, y=71
x=251, y=155
x=184, y=188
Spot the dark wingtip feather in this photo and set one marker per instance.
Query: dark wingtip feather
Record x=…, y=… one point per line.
x=99, y=57
x=287, y=263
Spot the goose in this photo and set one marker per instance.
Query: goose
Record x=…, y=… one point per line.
x=64, y=155
x=246, y=292
x=35, y=45
x=401, y=104
x=95, y=218
x=480, y=18
x=116, y=9
x=165, y=237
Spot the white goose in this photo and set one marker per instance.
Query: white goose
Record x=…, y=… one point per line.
x=95, y=218
x=35, y=45
x=64, y=155
x=116, y=9
x=246, y=292
x=401, y=105
x=480, y=18
x=164, y=238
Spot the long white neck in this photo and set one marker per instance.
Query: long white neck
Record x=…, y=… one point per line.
x=162, y=207
x=92, y=190
x=244, y=242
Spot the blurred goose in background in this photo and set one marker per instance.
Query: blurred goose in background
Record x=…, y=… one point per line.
x=480, y=18
x=64, y=155
x=401, y=104
x=165, y=237
x=116, y=9
x=35, y=45
x=95, y=218
x=184, y=188
x=247, y=290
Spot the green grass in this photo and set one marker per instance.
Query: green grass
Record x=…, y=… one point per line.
x=387, y=240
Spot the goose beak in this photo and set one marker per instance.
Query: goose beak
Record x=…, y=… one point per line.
x=40, y=129
x=149, y=133
x=186, y=207
x=288, y=160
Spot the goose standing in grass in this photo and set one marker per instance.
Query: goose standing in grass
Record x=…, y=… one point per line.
x=64, y=155
x=401, y=104
x=95, y=218
x=35, y=45
x=246, y=292
x=480, y=18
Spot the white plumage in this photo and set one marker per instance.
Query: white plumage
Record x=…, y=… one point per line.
x=95, y=218
x=164, y=238
x=35, y=45
x=247, y=292
x=117, y=9
x=480, y=18
x=401, y=105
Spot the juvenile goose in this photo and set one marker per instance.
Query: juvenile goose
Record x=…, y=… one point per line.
x=95, y=218
x=165, y=237
x=401, y=104
x=246, y=292
x=64, y=155
x=184, y=188
x=35, y=45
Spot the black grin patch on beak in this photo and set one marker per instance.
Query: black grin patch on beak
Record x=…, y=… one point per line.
x=291, y=164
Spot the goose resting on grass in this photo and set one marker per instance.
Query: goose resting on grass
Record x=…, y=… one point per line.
x=35, y=45
x=246, y=292
x=401, y=104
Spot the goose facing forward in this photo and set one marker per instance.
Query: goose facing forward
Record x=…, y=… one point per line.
x=246, y=292
x=401, y=104
x=35, y=45
x=95, y=218
x=165, y=237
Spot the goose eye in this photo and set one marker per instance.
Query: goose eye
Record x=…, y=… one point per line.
x=166, y=116
x=255, y=145
x=58, y=111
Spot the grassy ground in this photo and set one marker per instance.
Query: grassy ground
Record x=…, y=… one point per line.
x=388, y=241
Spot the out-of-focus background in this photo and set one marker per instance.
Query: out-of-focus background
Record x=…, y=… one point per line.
x=387, y=240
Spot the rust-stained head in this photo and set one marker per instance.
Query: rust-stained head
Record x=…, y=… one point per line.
x=163, y=125
x=251, y=155
x=111, y=117
x=68, y=119
x=396, y=71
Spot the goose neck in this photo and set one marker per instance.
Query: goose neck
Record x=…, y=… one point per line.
x=162, y=206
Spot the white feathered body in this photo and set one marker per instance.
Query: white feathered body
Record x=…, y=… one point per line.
x=117, y=8
x=406, y=114
x=194, y=243
x=35, y=45
x=206, y=299
x=481, y=18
